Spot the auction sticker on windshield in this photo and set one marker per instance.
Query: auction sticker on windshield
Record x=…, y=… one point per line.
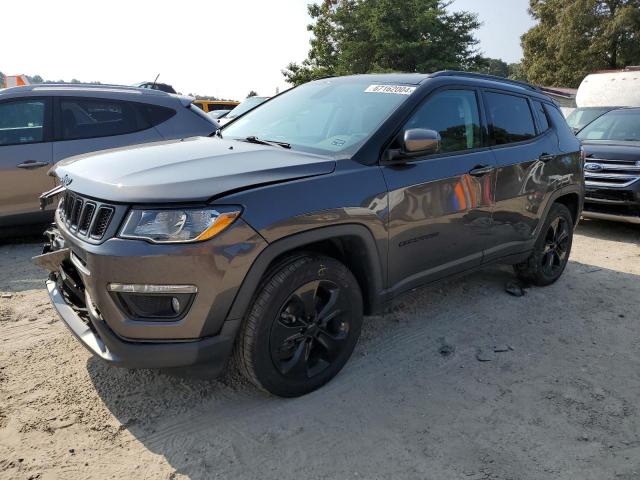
x=397, y=89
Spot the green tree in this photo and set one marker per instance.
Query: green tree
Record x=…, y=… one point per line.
x=363, y=36
x=493, y=66
x=516, y=72
x=1, y=79
x=252, y=93
x=576, y=37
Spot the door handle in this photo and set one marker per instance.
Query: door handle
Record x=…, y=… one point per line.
x=31, y=164
x=481, y=170
x=545, y=157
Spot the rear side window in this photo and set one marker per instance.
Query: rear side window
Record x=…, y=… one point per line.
x=22, y=122
x=510, y=118
x=543, y=121
x=157, y=115
x=92, y=118
x=454, y=115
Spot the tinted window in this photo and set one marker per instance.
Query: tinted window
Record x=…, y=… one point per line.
x=157, y=115
x=22, y=122
x=619, y=125
x=91, y=118
x=454, y=115
x=510, y=117
x=543, y=121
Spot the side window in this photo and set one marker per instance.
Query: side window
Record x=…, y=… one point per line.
x=92, y=118
x=510, y=118
x=454, y=115
x=22, y=122
x=156, y=115
x=543, y=121
x=566, y=137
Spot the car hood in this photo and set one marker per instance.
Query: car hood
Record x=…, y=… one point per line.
x=193, y=169
x=610, y=150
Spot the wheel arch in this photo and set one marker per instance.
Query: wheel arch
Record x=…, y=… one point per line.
x=572, y=202
x=351, y=244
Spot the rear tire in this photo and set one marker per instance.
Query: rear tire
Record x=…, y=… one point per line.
x=302, y=326
x=551, y=251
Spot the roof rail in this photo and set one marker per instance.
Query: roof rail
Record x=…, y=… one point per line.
x=484, y=76
x=89, y=86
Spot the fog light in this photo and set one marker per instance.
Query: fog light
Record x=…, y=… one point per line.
x=175, y=304
x=153, y=303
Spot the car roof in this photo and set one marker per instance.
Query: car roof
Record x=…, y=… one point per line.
x=80, y=88
x=479, y=79
x=90, y=90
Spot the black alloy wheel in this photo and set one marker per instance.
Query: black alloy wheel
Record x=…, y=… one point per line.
x=302, y=326
x=556, y=247
x=551, y=251
x=311, y=330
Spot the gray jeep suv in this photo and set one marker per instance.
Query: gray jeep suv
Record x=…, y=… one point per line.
x=272, y=238
x=42, y=124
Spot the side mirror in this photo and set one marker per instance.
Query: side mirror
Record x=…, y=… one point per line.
x=420, y=141
x=416, y=142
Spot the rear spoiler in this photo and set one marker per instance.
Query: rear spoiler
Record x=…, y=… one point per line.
x=185, y=100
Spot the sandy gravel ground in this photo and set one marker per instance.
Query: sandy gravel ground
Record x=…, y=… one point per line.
x=562, y=401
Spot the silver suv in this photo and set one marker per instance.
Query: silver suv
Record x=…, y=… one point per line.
x=42, y=124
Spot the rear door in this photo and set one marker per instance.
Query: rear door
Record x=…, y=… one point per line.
x=86, y=125
x=524, y=147
x=440, y=205
x=25, y=157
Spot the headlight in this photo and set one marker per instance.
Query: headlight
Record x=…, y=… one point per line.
x=178, y=225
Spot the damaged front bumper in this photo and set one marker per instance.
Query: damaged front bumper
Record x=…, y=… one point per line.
x=74, y=305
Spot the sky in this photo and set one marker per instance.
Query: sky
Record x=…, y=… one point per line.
x=223, y=48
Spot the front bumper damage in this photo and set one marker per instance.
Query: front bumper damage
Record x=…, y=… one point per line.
x=73, y=287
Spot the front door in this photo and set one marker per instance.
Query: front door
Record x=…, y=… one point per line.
x=25, y=158
x=440, y=205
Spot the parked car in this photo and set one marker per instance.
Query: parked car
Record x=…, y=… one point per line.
x=217, y=114
x=275, y=236
x=581, y=117
x=612, y=168
x=42, y=124
x=209, y=105
x=249, y=104
x=163, y=87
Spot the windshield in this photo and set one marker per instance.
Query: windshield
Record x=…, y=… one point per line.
x=332, y=116
x=245, y=106
x=621, y=125
x=584, y=116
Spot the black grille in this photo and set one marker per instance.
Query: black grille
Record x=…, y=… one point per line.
x=75, y=212
x=86, y=218
x=102, y=222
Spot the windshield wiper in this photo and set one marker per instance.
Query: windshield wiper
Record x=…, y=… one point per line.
x=254, y=139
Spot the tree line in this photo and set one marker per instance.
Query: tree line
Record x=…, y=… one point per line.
x=571, y=39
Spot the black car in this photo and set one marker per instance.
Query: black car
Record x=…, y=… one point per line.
x=612, y=166
x=274, y=237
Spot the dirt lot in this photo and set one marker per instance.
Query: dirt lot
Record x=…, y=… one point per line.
x=561, y=402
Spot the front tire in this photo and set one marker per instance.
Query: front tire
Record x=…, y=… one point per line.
x=302, y=326
x=551, y=250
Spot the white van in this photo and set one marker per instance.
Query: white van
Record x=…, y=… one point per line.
x=602, y=92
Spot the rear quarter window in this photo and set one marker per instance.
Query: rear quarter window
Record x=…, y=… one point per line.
x=157, y=115
x=510, y=118
x=92, y=118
